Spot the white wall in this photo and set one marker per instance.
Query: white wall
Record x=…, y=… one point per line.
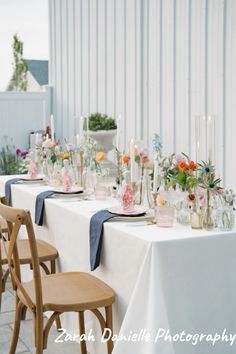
x=32, y=84
x=22, y=113
x=157, y=62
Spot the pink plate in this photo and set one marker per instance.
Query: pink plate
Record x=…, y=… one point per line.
x=138, y=210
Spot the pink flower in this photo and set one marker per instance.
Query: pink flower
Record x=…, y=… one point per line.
x=201, y=197
x=48, y=144
x=21, y=153
x=178, y=158
x=144, y=155
x=24, y=153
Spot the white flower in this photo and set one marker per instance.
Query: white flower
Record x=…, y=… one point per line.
x=48, y=144
x=69, y=147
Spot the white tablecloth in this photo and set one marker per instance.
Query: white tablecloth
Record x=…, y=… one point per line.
x=165, y=279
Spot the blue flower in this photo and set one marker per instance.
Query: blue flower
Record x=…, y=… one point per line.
x=157, y=146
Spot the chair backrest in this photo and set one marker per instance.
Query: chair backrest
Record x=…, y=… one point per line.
x=15, y=219
x=1, y=272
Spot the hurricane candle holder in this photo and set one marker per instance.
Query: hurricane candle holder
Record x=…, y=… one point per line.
x=205, y=138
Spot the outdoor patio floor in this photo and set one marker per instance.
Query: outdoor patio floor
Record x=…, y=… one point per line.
x=26, y=340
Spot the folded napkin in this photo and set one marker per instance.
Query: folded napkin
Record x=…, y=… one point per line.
x=39, y=204
x=8, y=189
x=95, y=235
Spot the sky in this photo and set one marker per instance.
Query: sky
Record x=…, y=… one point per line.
x=29, y=19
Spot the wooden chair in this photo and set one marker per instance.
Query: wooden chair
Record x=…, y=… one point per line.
x=46, y=253
x=60, y=292
x=3, y=277
x=3, y=225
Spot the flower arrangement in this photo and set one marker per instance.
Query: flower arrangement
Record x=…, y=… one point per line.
x=183, y=173
x=207, y=179
x=11, y=162
x=178, y=171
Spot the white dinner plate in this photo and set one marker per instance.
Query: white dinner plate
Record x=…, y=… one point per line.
x=73, y=194
x=138, y=210
x=28, y=178
x=145, y=217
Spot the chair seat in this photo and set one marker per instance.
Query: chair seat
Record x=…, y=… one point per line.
x=72, y=291
x=46, y=252
x=3, y=225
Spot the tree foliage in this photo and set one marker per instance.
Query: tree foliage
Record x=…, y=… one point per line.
x=19, y=78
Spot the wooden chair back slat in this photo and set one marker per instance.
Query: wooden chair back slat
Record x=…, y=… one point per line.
x=15, y=219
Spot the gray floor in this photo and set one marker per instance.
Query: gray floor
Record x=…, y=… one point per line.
x=26, y=340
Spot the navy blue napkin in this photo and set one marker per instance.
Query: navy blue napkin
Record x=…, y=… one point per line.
x=96, y=234
x=39, y=204
x=8, y=189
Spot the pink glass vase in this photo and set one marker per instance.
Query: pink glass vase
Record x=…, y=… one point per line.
x=127, y=197
x=165, y=215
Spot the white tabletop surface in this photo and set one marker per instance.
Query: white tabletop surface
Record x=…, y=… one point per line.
x=176, y=279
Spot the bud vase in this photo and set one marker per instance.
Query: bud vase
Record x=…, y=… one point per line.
x=208, y=220
x=225, y=218
x=144, y=192
x=183, y=213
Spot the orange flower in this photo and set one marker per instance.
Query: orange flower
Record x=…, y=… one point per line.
x=126, y=159
x=183, y=166
x=192, y=165
x=64, y=155
x=100, y=156
x=160, y=201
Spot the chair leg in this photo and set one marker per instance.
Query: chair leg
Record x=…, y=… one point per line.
x=39, y=334
x=4, y=280
x=58, y=323
x=53, y=266
x=0, y=292
x=82, y=331
x=16, y=330
x=109, y=325
x=23, y=314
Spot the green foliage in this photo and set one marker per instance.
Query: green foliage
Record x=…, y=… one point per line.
x=9, y=162
x=19, y=78
x=185, y=180
x=207, y=178
x=99, y=121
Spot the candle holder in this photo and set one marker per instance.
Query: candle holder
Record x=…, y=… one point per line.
x=205, y=138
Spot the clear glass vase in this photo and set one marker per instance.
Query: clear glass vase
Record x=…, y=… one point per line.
x=144, y=192
x=196, y=217
x=208, y=222
x=225, y=218
x=183, y=213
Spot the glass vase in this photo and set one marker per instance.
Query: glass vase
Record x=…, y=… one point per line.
x=144, y=192
x=205, y=137
x=165, y=215
x=225, y=218
x=208, y=220
x=183, y=213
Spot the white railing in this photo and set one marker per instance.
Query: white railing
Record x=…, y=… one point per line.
x=22, y=113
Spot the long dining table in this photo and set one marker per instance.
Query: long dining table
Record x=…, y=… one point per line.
x=175, y=287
